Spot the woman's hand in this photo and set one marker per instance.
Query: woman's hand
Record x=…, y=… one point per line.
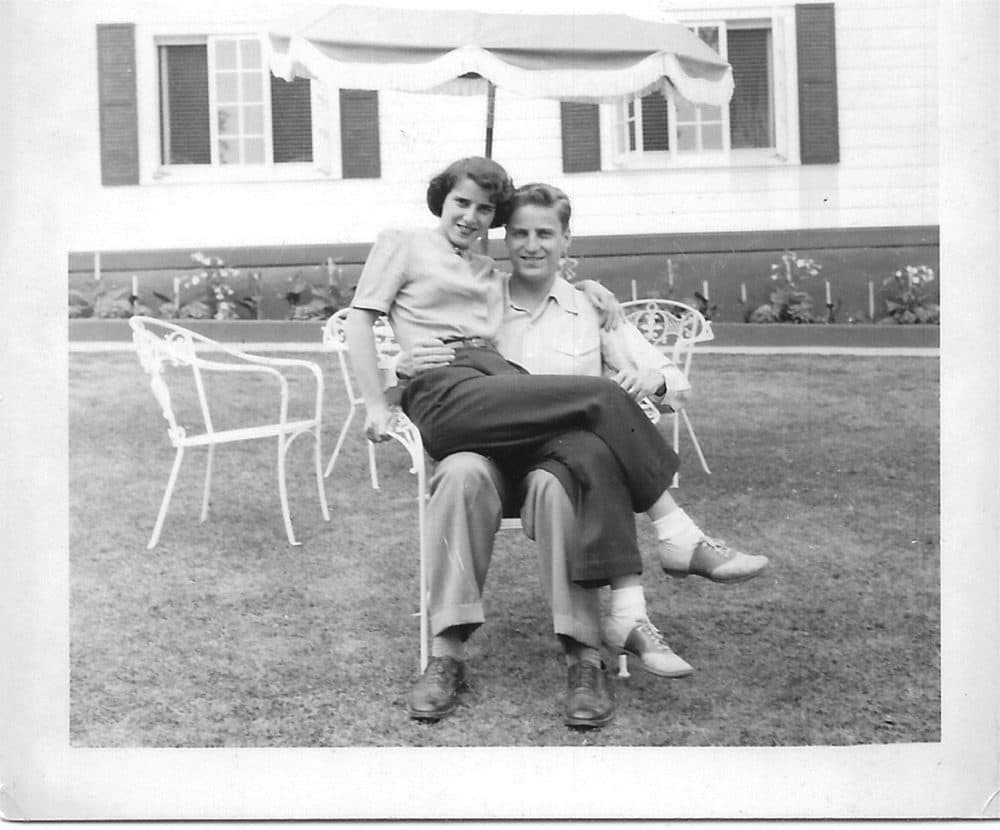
x=378, y=424
x=427, y=354
x=609, y=310
x=677, y=400
x=639, y=383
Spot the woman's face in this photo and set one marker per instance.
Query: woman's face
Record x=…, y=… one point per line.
x=536, y=240
x=466, y=213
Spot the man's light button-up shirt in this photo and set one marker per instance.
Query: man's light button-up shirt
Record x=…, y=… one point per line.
x=563, y=336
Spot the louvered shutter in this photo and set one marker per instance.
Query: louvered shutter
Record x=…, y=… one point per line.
x=581, y=137
x=117, y=104
x=751, y=122
x=655, y=132
x=359, y=135
x=184, y=114
x=291, y=120
x=817, y=51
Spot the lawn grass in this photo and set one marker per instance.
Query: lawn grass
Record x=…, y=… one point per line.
x=226, y=636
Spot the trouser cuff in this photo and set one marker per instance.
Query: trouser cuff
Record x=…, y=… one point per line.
x=567, y=626
x=470, y=614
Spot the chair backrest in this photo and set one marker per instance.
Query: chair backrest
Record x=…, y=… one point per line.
x=670, y=324
x=159, y=343
x=335, y=339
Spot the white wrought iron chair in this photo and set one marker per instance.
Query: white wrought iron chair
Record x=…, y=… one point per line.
x=335, y=340
x=406, y=433
x=159, y=344
x=676, y=328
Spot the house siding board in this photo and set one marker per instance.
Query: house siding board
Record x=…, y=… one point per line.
x=117, y=104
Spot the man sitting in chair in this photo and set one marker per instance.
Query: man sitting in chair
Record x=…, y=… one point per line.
x=550, y=329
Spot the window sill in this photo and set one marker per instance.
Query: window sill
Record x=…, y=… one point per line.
x=681, y=161
x=209, y=174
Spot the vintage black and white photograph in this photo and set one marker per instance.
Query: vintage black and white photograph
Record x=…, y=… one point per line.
x=498, y=379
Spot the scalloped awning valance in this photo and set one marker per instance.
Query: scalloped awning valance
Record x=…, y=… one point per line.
x=580, y=57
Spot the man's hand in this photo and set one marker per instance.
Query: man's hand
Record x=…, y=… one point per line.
x=639, y=383
x=427, y=354
x=609, y=310
x=378, y=423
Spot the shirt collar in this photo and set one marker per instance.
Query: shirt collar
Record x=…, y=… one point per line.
x=562, y=293
x=566, y=295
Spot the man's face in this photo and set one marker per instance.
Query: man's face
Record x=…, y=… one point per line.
x=536, y=240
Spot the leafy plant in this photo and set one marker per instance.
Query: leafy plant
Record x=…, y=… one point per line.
x=208, y=294
x=909, y=299
x=79, y=306
x=311, y=302
x=788, y=302
x=117, y=304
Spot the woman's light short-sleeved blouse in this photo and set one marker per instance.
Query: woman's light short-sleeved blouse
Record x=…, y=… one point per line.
x=415, y=278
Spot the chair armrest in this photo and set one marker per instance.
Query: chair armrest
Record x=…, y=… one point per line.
x=251, y=368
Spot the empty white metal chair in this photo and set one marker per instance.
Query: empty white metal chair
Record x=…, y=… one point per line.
x=676, y=328
x=403, y=431
x=159, y=344
x=335, y=340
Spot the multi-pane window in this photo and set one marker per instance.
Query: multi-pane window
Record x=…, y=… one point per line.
x=219, y=105
x=654, y=124
x=643, y=124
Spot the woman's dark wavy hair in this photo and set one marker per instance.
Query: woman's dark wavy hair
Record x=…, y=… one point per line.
x=485, y=172
x=543, y=195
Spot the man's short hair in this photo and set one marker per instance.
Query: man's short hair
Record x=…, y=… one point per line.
x=543, y=195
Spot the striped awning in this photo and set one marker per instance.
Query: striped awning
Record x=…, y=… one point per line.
x=579, y=57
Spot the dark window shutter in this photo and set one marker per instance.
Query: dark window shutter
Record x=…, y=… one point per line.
x=359, y=138
x=655, y=132
x=581, y=137
x=817, y=49
x=291, y=120
x=117, y=103
x=184, y=115
x=751, y=120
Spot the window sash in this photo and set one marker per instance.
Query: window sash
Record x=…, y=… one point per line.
x=239, y=89
x=698, y=131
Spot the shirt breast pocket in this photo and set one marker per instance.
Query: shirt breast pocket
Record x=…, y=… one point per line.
x=577, y=356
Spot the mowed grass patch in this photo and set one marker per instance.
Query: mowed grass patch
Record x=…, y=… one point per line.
x=224, y=635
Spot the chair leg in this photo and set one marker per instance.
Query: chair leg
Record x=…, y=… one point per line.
x=694, y=440
x=371, y=465
x=424, y=611
x=677, y=446
x=340, y=442
x=318, y=460
x=283, y=490
x=623, y=671
x=166, y=499
x=208, y=483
